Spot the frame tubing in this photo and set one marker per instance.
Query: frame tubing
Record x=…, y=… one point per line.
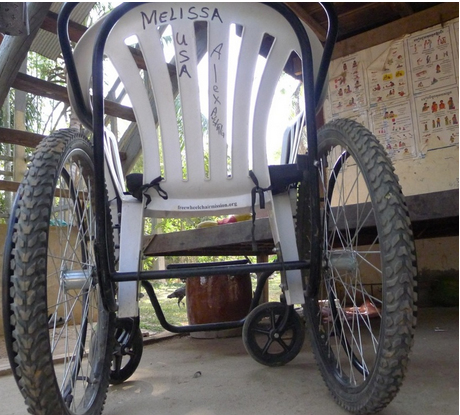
x=207, y=271
x=224, y=325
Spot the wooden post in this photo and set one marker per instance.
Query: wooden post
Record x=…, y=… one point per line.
x=13, y=49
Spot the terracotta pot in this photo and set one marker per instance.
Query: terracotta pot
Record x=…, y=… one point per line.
x=218, y=298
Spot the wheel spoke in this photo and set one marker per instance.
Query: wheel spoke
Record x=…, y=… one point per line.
x=75, y=339
x=281, y=342
x=367, y=269
x=126, y=360
x=266, y=347
x=260, y=330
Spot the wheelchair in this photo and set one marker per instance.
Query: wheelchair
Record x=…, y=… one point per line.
x=340, y=226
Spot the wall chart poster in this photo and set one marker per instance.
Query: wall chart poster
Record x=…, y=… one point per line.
x=388, y=75
x=456, y=35
x=437, y=117
x=346, y=87
x=392, y=125
x=432, y=60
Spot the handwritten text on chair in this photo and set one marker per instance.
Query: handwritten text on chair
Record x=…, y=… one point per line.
x=192, y=13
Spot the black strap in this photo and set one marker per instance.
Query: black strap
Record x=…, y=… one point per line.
x=256, y=190
x=155, y=183
x=138, y=190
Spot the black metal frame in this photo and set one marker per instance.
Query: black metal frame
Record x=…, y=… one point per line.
x=95, y=122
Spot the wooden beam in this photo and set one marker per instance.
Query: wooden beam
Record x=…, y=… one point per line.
x=13, y=49
x=50, y=90
x=302, y=14
x=76, y=30
x=21, y=138
x=402, y=8
x=230, y=239
x=8, y=186
x=407, y=25
x=130, y=146
x=432, y=215
x=40, y=87
x=436, y=205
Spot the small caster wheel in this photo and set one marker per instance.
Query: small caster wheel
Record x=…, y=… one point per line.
x=271, y=339
x=127, y=351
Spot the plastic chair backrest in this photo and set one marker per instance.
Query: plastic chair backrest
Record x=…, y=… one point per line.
x=217, y=58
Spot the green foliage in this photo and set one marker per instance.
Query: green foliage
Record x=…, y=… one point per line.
x=177, y=224
x=41, y=116
x=46, y=69
x=3, y=207
x=139, y=165
x=174, y=314
x=7, y=113
x=99, y=10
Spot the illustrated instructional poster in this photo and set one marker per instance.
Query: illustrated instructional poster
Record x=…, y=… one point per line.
x=456, y=37
x=388, y=75
x=361, y=117
x=432, y=60
x=346, y=87
x=392, y=125
x=404, y=91
x=437, y=117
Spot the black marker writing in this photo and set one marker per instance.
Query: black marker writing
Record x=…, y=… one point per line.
x=157, y=17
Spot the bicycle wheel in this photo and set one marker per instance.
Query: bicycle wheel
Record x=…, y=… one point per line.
x=62, y=333
x=7, y=300
x=269, y=339
x=129, y=346
x=361, y=310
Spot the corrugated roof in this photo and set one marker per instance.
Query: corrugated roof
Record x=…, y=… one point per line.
x=46, y=43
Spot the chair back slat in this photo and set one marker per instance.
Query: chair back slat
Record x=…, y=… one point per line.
x=184, y=40
x=202, y=128
x=167, y=134
x=278, y=55
x=218, y=123
x=127, y=70
x=241, y=106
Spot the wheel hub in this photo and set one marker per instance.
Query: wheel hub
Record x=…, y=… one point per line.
x=76, y=280
x=344, y=260
x=274, y=334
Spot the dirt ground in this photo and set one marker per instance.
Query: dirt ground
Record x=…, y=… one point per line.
x=189, y=376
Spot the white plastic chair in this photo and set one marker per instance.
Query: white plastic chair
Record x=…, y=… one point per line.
x=223, y=44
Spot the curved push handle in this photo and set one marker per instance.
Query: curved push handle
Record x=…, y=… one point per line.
x=331, y=38
x=83, y=114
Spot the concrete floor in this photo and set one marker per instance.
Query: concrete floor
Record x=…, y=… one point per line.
x=231, y=383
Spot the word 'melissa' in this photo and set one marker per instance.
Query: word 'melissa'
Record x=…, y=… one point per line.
x=192, y=13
